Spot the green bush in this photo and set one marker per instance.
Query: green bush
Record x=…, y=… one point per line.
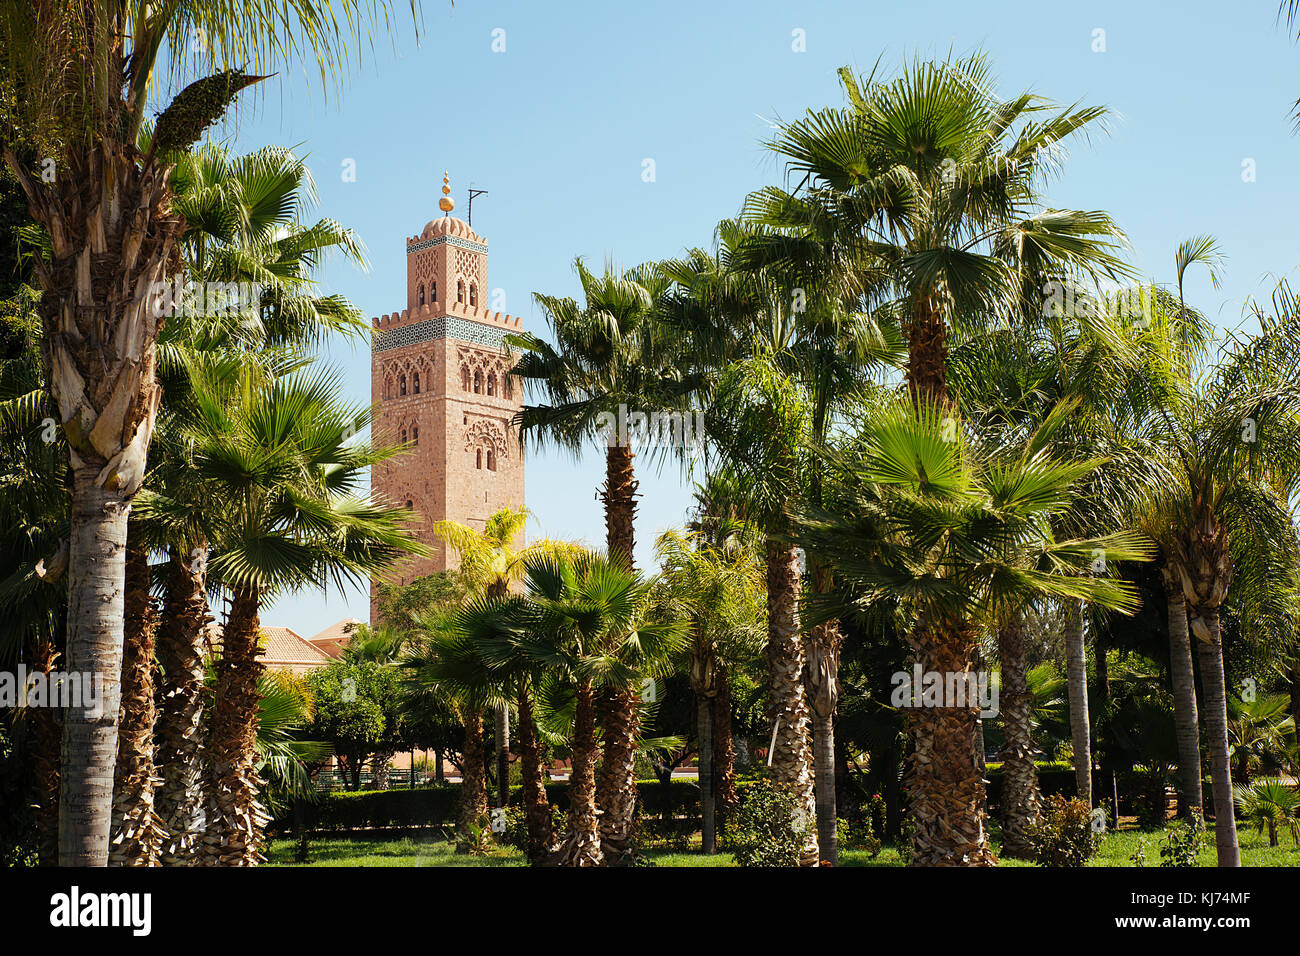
x=1063, y=834
x=765, y=831
x=1183, y=843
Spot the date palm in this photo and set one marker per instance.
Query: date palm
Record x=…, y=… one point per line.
x=77, y=80
x=961, y=535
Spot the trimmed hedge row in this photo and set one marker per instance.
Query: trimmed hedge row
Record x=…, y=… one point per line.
x=438, y=805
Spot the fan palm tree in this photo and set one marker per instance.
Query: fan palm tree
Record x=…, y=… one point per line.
x=280, y=456
x=610, y=358
x=962, y=536
x=77, y=80
x=1270, y=804
x=1259, y=731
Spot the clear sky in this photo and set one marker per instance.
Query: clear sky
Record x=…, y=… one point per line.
x=557, y=127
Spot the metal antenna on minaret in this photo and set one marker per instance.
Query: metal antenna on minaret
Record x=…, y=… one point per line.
x=469, y=211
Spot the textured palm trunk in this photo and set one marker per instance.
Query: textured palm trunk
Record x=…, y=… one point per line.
x=944, y=783
x=96, y=570
x=724, y=750
x=581, y=846
x=1076, y=670
x=47, y=735
x=180, y=800
x=111, y=238
x=823, y=680
x=616, y=793
x=537, y=806
x=708, y=797
x=1020, y=798
x=791, y=757
x=501, y=731
x=473, y=784
x=236, y=821
x=1184, y=686
x=137, y=835
x=927, y=349
x=1210, y=648
x=381, y=764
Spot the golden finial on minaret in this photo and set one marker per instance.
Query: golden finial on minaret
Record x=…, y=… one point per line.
x=446, y=203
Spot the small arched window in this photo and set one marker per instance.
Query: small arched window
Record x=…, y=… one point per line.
x=460, y=292
x=421, y=294
x=401, y=385
x=492, y=383
x=415, y=434
x=415, y=383
x=478, y=458
x=473, y=293
x=403, y=438
x=433, y=291
x=409, y=506
x=464, y=379
x=492, y=460
x=478, y=383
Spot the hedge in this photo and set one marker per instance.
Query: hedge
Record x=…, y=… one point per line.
x=439, y=804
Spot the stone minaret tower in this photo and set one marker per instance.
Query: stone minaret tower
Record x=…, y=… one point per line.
x=440, y=382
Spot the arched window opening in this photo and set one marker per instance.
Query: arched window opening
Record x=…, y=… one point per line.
x=422, y=295
x=401, y=385
x=478, y=383
x=433, y=291
x=415, y=382
x=464, y=379
x=403, y=438
x=415, y=434
x=492, y=460
x=478, y=458
x=409, y=505
x=492, y=383
x=473, y=294
x=460, y=292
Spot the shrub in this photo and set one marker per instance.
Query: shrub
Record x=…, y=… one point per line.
x=1183, y=843
x=766, y=831
x=1063, y=834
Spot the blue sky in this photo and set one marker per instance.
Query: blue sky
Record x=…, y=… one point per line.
x=557, y=128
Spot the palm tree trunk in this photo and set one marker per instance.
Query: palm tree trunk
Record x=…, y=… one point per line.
x=708, y=805
x=181, y=796
x=501, y=731
x=1109, y=783
x=46, y=737
x=111, y=237
x=1076, y=668
x=823, y=679
x=235, y=819
x=791, y=757
x=138, y=834
x=1184, y=686
x=96, y=570
x=1020, y=798
x=537, y=806
x=582, y=845
x=724, y=751
x=944, y=783
x=927, y=351
x=1210, y=648
x=473, y=783
x=616, y=795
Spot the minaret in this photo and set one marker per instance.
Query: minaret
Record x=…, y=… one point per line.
x=440, y=383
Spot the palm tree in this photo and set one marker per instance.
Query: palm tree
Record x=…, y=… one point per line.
x=280, y=456
x=1231, y=439
x=1270, y=803
x=719, y=593
x=961, y=536
x=77, y=79
x=912, y=188
x=1259, y=731
x=610, y=358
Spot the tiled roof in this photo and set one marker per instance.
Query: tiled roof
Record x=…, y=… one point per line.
x=334, y=638
x=282, y=645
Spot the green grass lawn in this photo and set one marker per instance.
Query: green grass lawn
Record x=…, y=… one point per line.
x=1117, y=849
